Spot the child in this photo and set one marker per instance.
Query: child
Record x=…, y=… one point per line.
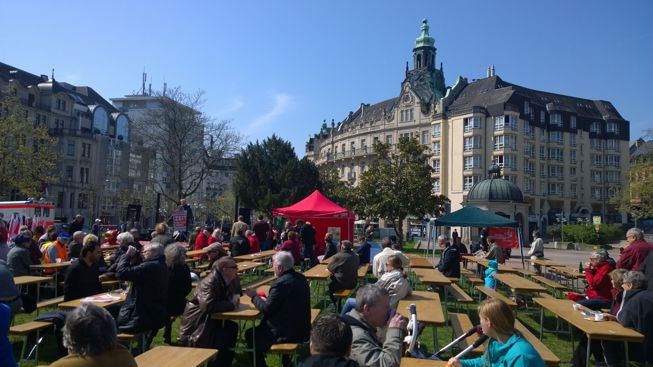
x=492, y=268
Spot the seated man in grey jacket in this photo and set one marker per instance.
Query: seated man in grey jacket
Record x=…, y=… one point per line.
x=373, y=311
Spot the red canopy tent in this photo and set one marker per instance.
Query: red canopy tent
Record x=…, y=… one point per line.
x=323, y=214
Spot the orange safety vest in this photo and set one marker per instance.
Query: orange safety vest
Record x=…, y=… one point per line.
x=61, y=254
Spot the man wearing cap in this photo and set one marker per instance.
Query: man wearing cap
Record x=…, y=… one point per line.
x=215, y=251
x=18, y=257
x=56, y=249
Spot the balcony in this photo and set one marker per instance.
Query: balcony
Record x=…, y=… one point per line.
x=70, y=132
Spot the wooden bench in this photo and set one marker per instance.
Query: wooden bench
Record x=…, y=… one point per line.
x=547, y=355
x=130, y=338
x=557, y=287
x=491, y=293
x=290, y=349
x=525, y=273
x=340, y=295
x=460, y=323
x=458, y=294
x=24, y=330
x=49, y=302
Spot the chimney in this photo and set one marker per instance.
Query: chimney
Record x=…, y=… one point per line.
x=493, y=71
x=488, y=72
x=165, y=88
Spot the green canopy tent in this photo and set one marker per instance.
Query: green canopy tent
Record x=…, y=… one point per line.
x=471, y=216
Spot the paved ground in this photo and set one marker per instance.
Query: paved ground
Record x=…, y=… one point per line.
x=567, y=257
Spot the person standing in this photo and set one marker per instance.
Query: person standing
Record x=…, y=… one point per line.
x=537, y=250
x=289, y=299
x=636, y=251
x=261, y=229
x=240, y=225
x=495, y=251
x=76, y=225
x=190, y=218
x=307, y=237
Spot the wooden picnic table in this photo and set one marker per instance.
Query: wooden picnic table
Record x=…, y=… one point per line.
x=327, y=261
x=70, y=305
x=429, y=310
x=503, y=268
x=318, y=272
x=599, y=330
x=417, y=261
x=52, y=266
x=244, y=266
x=31, y=279
x=431, y=276
x=567, y=271
x=256, y=256
x=519, y=284
x=195, y=252
x=416, y=362
x=167, y=356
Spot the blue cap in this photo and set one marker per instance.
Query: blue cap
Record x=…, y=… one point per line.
x=64, y=235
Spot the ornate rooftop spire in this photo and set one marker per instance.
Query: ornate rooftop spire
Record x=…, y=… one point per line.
x=424, y=38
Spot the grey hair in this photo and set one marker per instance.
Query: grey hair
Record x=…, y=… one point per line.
x=156, y=247
x=602, y=255
x=284, y=259
x=369, y=295
x=125, y=236
x=638, y=233
x=175, y=255
x=637, y=279
x=89, y=331
x=78, y=234
x=249, y=233
x=442, y=238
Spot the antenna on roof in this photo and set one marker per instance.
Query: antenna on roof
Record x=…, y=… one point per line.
x=52, y=74
x=144, y=80
x=165, y=88
x=493, y=71
x=149, y=92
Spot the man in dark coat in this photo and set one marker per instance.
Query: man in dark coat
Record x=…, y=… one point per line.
x=261, y=229
x=364, y=250
x=82, y=277
x=449, y=264
x=76, y=225
x=18, y=257
x=145, y=307
x=286, y=312
x=647, y=269
x=307, y=236
x=239, y=245
x=344, y=270
x=330, y=344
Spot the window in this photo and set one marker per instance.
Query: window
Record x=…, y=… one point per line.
x=595, y=127
x=612, y=144
x=71, y=148
x=83, y=175
x=596, y=193
x=82, y=202
x=543, y=169
x=69, y=173
x=572, y=140
x=555, y=119
x=555, y=171
x=612, y=160
x=596, y=144
x=612, y=176
x=471, y=142
x=60, y=199
x=499, y=123
x=596, y=176
x=556, y=137
x=435, y=148
x=135, y=161
x=597, y=160
x=556, y=154
x=543, y=135
x=437, y=130
x=555, y=189
x=436, y=166
x=528, y=184
x=363, y=143
x=573, y=190
x=542, y=153
x=436, y=185
x=528, y=130
x=406, y=115
x=425, y=137
x=572, y=121
x=572, y=171
x=529, y=149
x=529, y=166
x=505, y=161
x=527, y=108
x=469, y=181
x=86, y=150
x=71, y=201
x=612, y=127
x=471, y=162
x=572, y=156
x=542, y=117
x=388, y=140
x=472, y=123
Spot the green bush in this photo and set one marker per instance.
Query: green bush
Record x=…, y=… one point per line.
x=554, y=230
x=584, y=233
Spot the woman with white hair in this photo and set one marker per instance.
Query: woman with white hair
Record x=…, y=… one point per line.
x=598, y=294
x=179, y=284
x=90, y=337
x=636, y=252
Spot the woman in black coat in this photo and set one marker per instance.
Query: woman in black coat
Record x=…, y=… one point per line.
x=179, y=284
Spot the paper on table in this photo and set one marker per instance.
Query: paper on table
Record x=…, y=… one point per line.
x=100, y=298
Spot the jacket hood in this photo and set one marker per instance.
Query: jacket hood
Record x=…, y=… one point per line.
x=501, y=349
x=492, y=264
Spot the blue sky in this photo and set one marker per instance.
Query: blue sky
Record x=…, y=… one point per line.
x=284, y=66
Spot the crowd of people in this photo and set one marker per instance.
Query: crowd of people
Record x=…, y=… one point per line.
x=367, y=332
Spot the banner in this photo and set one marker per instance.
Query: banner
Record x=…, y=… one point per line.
x=505, y=237
x=179, y=220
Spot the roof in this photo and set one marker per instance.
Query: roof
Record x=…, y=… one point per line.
x=494, y=91
x=471, y=216
x=423, y=82
x=315, y=205
x=495, y=189
x=370, y=112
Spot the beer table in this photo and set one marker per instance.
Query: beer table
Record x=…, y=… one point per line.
x=327, y=261
x=52, y=266
x=256, y=256
x=429, y=310
x=599, y=330
x=503, y=268
x=195, y=252
x=244, y=266
x=569, y=273
x=319, y=273
x=519, y=284
x=431, y=276
x=167, y=356
x=32, y=279
x=417, y=261
x=71, y=305
x=246, y=312
x=416, y=362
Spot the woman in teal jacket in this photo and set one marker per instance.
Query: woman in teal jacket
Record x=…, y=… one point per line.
x=507, y=348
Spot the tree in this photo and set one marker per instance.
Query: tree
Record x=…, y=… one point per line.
x=398, y=184
x=637, y=198
x=186, y=142
x=28, y=153
x=269, y=175
x=338, y=191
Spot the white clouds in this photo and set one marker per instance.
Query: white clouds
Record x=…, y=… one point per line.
x=282, y=102
x=235, y=105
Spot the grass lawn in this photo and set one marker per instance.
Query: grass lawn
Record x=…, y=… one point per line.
x=557, y=343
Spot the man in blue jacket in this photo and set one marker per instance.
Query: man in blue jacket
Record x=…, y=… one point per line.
x=449, y=258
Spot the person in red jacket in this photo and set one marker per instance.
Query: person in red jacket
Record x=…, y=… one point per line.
x=598, y=294
x=254, y=244
x=293, y=246
x=636, y=251
x=202, y=239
